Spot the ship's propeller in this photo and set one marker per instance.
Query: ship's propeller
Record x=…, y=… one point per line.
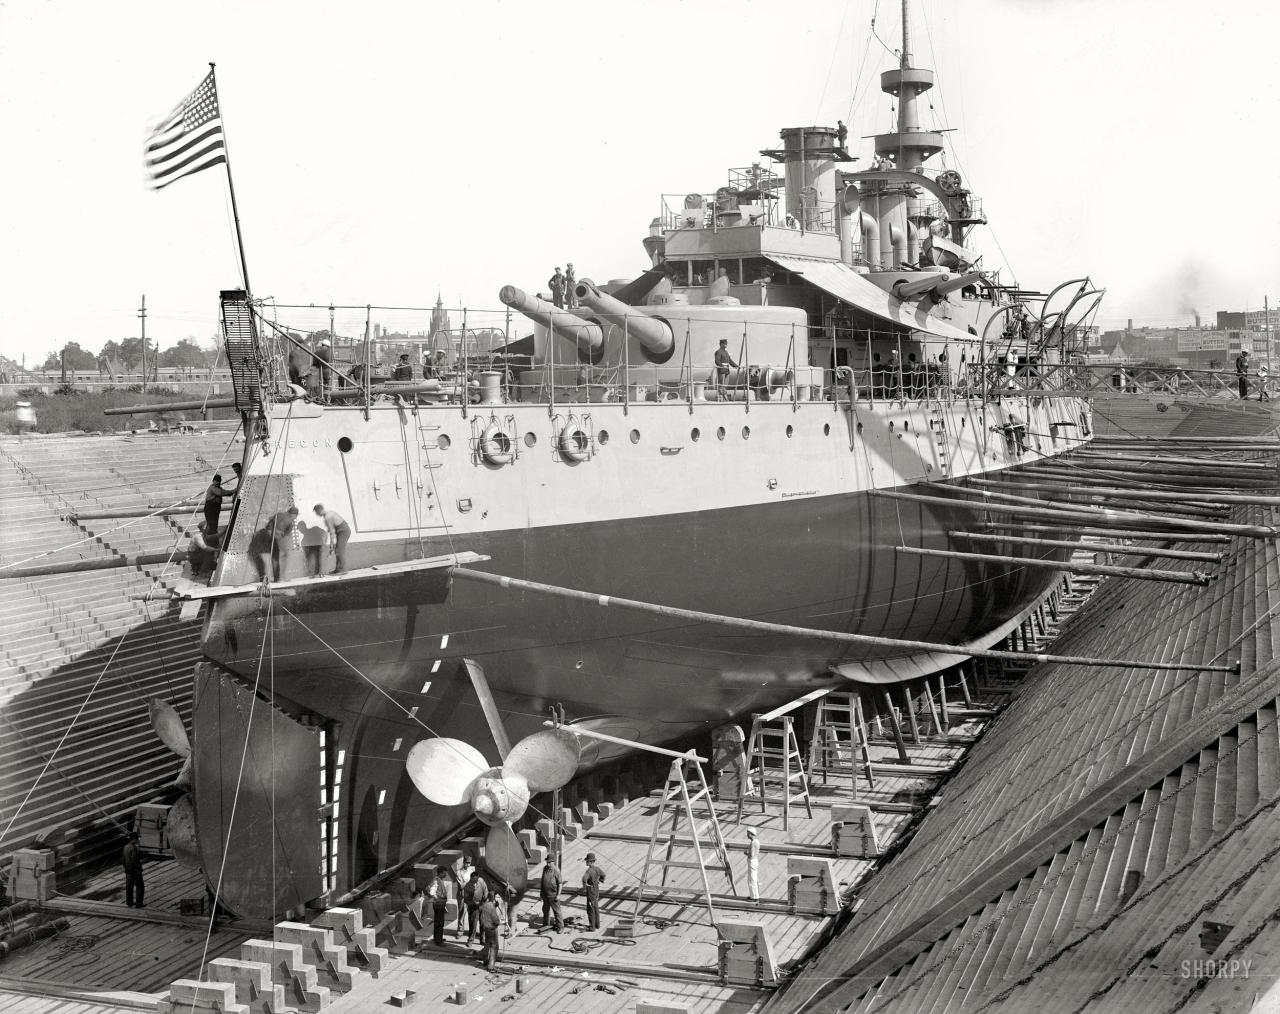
x=168, y=725
x=450, y=772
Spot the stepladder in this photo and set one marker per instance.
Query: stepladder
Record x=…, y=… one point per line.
x=775, y=762
x=839, y=746
x=685, y=799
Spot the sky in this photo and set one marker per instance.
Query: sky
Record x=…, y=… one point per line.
x=387, y=152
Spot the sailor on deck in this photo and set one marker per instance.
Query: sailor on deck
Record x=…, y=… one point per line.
x=723, y=362
x=403, y=370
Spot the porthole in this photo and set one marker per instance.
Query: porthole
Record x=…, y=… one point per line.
x=720, y=433
x=530, y=439
x=345, y=444
x=746, y=432
x=444, y=443
x=891, y=426
x=791, y=431
x=695, y=434
x=602, y=437
x=859, y=428
x=635, y=436
x=826, y=429
x=906, y=424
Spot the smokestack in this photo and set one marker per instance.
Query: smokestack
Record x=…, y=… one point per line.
x=1197, y=313
x=1129, y=326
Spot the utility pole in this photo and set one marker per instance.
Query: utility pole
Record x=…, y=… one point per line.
x=142, y=314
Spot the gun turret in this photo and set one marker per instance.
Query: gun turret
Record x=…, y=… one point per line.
x=654, y=334
x=562, y=323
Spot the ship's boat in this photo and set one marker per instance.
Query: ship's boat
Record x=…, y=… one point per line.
x=672, y=515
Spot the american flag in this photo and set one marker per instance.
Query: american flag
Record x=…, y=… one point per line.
x=188, y=139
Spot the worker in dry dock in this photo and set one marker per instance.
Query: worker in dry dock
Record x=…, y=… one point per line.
x=474, y=893
x=202, y=551
x=490, y=924
x=1242, y=372
x=439, y=895
x=213, y=497
x=591, y=881
x=753, y=864
x=315, y=539
x=132, y=860
x=549, y=892
x=339, y=533
x=285, y=537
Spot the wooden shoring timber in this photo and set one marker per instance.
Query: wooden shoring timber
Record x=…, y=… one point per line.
x=1161, y=512
x=187, y=507
x=1084, y=487
x=1104, y=569
x=1162, y=460
x=1081, y=515
x=696, y=616
x=1117, y=533
x=109, y=563
x=1094, y=547
x=1079, y=495
x=1204, y=482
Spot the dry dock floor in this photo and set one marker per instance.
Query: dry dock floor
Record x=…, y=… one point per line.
x=113, y=958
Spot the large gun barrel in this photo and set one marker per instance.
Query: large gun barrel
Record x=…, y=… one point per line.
x=937, y=285
x=562, y=323
x=654, y=334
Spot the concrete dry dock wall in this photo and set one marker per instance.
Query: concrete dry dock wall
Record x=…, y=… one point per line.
x=82, y=653
x=1091, y=799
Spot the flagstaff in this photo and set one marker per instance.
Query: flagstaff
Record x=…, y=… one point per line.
x=235, y=211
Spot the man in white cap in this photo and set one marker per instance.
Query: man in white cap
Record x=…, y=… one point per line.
x=753, y=864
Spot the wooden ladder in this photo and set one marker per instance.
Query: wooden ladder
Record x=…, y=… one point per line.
x=678, y=801
x=839, y=736
x=773, y=738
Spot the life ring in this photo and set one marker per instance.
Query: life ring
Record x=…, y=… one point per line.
x=574, y=442
x=496, y=445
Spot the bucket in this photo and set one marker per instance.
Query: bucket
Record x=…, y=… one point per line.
x=522, y=983
x=461, y=994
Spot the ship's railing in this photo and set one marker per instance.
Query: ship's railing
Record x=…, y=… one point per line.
x=1154, y=379
x=682, y=211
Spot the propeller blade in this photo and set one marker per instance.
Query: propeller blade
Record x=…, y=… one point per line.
x=546, y=760
x=505, y=859
x=181, y=830
x=169, y=727
x=443, y=769
x=183, y=781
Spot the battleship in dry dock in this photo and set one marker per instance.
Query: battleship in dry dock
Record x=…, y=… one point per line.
x=650, y=535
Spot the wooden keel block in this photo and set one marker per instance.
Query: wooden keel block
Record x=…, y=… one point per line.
x=606, y=810
x=853, y=832
x=546, y=829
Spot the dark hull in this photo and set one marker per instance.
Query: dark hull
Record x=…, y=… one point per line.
x=377, y=664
